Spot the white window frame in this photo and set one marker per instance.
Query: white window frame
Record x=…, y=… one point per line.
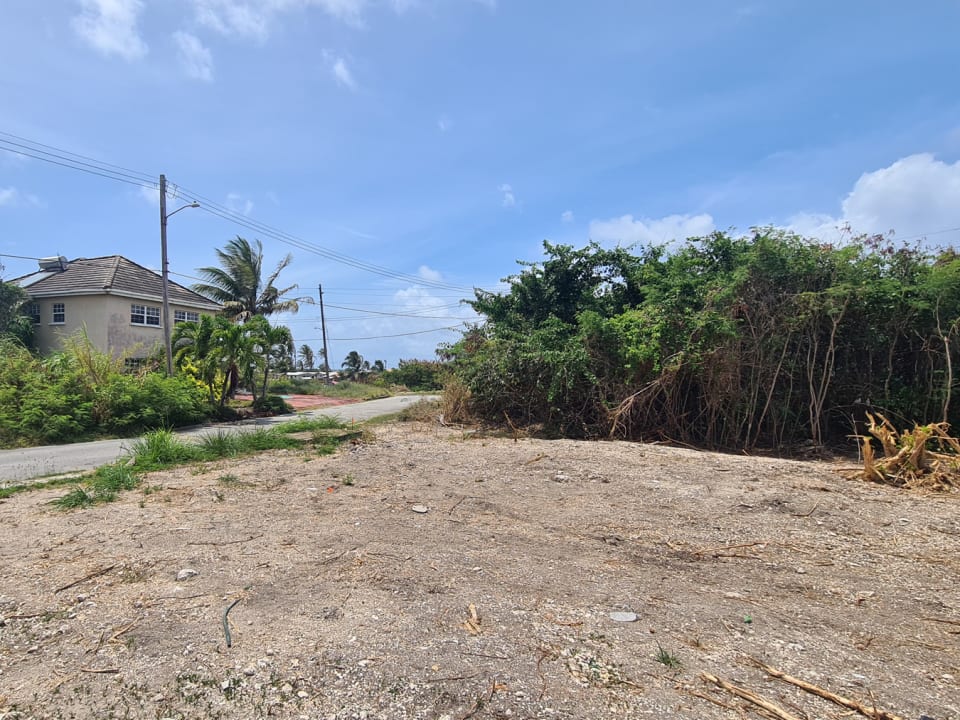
x=180, y=316
x=142, y=315
x=58, y=309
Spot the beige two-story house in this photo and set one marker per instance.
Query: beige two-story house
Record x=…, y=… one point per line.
x=116, y=300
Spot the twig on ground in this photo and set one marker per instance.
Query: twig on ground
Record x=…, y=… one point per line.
x=225, y=542
x=91, y=576
x=100, y=671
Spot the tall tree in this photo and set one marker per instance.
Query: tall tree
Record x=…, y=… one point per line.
x=354, y=365
x=306, y=357
x=239, y=285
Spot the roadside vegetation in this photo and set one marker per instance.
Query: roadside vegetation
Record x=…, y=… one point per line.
x=762, y=341
x=162, y=449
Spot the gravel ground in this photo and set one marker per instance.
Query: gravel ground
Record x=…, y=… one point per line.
x=498, y=601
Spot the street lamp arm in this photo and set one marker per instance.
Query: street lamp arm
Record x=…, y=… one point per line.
x=191, y=205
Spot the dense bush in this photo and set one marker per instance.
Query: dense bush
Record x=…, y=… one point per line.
x=81, y=392
x=762, y=340
x=416, y=375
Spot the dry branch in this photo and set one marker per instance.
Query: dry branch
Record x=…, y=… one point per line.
x=869, y=712
x=752, y=697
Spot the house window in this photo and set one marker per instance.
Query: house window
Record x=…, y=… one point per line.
x=59, y=315
x=33, y=312
x=144, y=315
x=134, y=364
x=180, y=316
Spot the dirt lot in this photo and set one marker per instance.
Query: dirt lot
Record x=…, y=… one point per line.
x=496, y=602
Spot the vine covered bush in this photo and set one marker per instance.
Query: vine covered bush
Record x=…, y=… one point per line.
x=764, y=340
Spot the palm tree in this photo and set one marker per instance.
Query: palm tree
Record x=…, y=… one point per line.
x=306, y=356
x=238, y=282
x=353, y=365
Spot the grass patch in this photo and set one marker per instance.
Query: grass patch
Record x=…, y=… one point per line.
x=665, y=657
x=161, y=448
x=221, y=444
x=102, y=486
x=11, y=490
x=305, y=424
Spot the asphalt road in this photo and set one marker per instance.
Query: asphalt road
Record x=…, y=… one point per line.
x=28, y=463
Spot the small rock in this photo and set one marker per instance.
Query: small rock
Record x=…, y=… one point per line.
x=287, y=688
x=733, y=596
x=560, y=477
x=250, y=671
x=303, y=694
x=225, y=685
x=186, y=574
x=419, y=508
x=623, y=616
x=158, y=698
x=33, y=648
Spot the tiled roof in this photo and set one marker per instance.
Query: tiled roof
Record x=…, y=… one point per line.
x=111, y=274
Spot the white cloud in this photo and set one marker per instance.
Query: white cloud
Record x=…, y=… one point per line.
x=567, y=216
x=110, y=27
x=150, y=195
x=428, y=273
x=342, y=74
x=444, y=123
x=509, y=199
x=11, y=197
x=626, y=230
x=252, y=18
x=238, y=203
x=194, y=57
x=915, y=195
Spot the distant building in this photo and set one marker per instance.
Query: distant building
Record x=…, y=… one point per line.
x=117, y=301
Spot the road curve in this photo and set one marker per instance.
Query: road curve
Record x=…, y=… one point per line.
x=23, y=464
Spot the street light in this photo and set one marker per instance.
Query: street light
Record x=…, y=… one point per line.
x=164, y=272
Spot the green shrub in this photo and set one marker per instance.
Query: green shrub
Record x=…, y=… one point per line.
x=272, y=404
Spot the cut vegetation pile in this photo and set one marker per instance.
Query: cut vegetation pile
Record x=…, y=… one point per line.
x=907, y=458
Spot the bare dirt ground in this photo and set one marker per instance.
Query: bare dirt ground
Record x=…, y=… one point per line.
x=496, y=602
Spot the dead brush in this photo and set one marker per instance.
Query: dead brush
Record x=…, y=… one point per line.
x=907, y=458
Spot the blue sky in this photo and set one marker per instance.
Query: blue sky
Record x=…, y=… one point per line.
x=446, y=139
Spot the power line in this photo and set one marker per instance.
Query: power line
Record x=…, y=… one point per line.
x=82, y=163
x=144, y=176
x=381, y=337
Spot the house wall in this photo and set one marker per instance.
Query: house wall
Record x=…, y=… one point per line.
x=107, y=322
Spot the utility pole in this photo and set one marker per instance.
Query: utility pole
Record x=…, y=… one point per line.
x=165, y=279
x=323, y=326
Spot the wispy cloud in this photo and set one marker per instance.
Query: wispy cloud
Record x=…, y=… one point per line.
x=444, y=123
x=567, y=216
x=194, y=57
x=110, y=27
x=253, y=18
x=428, y=273
x=509, y=199
x=12, y=197
x=239, y=203
x=342, y=74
